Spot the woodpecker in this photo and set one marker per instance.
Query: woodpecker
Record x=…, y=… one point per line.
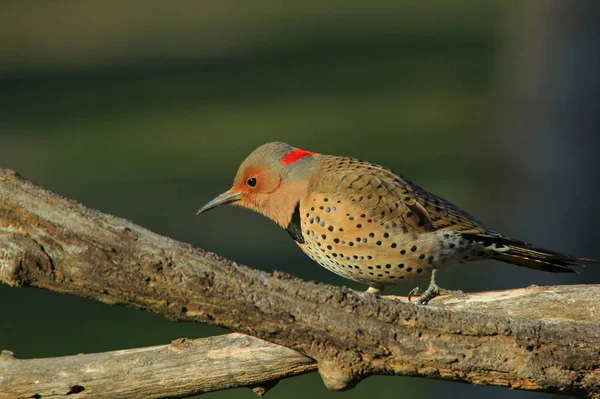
x=366, y=223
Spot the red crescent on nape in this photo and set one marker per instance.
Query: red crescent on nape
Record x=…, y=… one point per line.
x=295, y=155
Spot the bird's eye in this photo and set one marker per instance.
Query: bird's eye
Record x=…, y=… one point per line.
x=251, y=182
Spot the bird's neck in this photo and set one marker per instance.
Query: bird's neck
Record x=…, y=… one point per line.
x=282, y=209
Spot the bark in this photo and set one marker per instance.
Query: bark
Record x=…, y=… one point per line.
x=549, y=341
x=183, y=368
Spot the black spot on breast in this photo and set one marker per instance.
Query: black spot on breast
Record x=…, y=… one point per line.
x=293, y=227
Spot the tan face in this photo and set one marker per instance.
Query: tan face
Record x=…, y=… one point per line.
x=255, y=185
x=271, y=181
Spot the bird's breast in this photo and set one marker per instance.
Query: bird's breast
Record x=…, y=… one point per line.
x=352, y=242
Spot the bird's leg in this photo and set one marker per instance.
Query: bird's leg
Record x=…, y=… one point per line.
x=431, y=292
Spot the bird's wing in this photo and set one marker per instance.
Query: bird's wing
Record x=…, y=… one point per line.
x=384, y=197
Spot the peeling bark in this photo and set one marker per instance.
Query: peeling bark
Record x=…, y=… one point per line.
x=54, y=243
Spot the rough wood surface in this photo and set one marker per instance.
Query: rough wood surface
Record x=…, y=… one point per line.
x=183, y=368
x=54, y=243
x=571, y=303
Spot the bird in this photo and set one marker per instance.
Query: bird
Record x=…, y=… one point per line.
x=369, y=224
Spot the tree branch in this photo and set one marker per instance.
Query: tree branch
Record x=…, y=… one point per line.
x=183, y=368
x=54, y=243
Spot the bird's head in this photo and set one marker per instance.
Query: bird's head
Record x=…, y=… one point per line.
x=271, y=180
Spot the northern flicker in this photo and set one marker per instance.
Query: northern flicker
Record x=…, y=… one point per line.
x=366, y=223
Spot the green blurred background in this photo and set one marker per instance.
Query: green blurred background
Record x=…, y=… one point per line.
x=145, y=110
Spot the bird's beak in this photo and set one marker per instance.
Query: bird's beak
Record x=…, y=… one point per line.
x=226, y=198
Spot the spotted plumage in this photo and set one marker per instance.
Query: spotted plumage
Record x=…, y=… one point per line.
x=366, y=223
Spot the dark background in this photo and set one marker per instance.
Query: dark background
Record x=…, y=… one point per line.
x=145, y=110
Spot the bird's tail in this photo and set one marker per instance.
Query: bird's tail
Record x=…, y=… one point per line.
x=520, y=253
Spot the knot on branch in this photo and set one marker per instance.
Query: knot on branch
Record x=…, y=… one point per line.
x=7, y=356
x=180, y=344
x=264, y=387
x=9, y=174
x=23, y=261
x=337, y=377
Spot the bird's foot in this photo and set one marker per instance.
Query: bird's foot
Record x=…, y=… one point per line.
x=431, y=292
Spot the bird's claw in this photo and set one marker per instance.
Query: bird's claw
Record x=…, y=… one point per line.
x=431, y=292
x=414, y=291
